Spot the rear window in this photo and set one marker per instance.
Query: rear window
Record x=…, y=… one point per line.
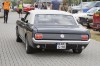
x=54, y=20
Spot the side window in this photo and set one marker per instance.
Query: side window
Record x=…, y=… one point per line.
x=97, y=5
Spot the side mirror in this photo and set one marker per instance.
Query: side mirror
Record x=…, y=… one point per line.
x=23, y=19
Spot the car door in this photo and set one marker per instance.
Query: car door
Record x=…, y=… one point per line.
x=21, y=27
x=29, y=29
x=24, y=25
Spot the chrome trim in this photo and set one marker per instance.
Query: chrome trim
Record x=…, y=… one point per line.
x=58, y=41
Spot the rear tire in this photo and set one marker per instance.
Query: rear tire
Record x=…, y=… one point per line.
x=29, y=49
x=77, y=51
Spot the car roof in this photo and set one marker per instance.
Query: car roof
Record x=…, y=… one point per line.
x=49, y=12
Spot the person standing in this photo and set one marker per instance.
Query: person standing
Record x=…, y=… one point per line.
x=49, y=6
x=6, y=7
x=44, y=6
x=55, y=5
x=36, y=6
x=20, y=8
x=64, y=6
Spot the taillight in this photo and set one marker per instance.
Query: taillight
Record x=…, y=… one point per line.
x=38, y=36
x=84, y=37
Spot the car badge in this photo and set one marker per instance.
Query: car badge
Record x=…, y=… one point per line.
x=62, y=36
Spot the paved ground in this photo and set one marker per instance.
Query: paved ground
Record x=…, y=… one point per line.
x=13, y=53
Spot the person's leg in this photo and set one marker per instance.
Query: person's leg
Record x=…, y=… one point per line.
x=4, y=16
x=7, y=15
x=19, y=13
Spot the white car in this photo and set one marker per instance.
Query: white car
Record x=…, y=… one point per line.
x=1, y=11
x=88, y=15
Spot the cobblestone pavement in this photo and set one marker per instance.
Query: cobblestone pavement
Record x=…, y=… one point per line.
x=13, y=53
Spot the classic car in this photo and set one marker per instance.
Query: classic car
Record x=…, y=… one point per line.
x=87, y=17
x=85, y=6
x=51, y=29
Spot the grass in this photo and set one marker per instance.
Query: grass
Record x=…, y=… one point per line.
x=95, y=35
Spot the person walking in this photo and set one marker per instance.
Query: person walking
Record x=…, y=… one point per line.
x=64, y=6
x=49, y=6
x=36, y=6
x=44, y=6
x=55, y=5
x=6, y=7
x=20, y=8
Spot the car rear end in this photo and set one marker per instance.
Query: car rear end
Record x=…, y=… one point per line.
x=59, y=32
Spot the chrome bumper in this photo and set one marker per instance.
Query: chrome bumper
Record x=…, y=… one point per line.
x=59, y=41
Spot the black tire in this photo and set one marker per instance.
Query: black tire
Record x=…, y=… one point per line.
x=88, y=25
x=77, y=51
x=29, y=49
x=18, y=39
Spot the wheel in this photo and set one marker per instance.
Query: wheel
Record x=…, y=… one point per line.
x=29, y=49
x=18, y=39
x=88, y=25
x=77, y=51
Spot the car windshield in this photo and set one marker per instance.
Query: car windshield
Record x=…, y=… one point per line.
x=92, y=10
x=54, y=20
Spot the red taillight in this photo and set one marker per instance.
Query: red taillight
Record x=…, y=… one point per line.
x=38, y=36
x=84, y=37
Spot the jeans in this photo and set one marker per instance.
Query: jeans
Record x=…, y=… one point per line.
x=6, y=15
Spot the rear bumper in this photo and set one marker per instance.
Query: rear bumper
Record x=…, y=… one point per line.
x=59, y=41
x=54, y=46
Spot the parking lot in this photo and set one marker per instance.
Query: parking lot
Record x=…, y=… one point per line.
x=13, y=53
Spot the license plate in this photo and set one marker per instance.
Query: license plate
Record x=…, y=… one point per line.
x=61, y=45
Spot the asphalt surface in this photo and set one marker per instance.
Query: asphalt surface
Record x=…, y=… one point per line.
x=13, y=53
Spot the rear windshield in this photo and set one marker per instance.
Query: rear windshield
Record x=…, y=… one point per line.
x=54, y=20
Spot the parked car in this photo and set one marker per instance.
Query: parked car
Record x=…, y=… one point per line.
x=87, y=6
x=76, y=9
x=26, y=7
x=1, y=11
x=88, y=14
x=87, y=18
x=51, y=29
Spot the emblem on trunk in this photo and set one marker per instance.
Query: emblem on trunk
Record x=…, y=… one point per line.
x=62, y=36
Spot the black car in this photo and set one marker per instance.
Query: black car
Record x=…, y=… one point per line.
x=51, y=29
